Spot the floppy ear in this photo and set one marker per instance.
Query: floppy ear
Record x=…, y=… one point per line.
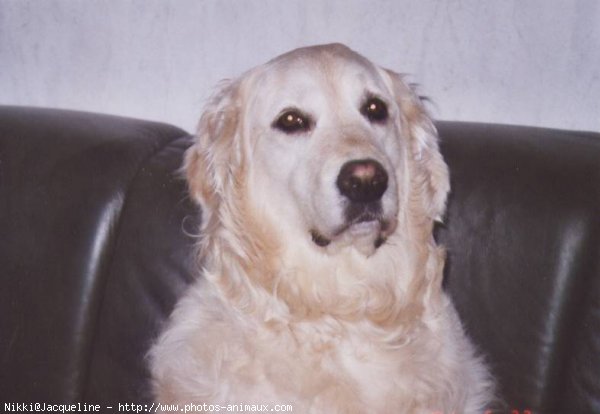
x=430, y=178
x=208, y=162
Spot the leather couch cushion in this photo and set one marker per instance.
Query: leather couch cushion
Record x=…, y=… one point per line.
x=523, y=236
x=152, y=264
x=66, y=180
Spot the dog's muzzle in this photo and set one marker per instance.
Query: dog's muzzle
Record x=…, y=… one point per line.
x=362, y=183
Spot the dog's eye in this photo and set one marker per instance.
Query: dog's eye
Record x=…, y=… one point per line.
x=292, y=121
x=375, y=110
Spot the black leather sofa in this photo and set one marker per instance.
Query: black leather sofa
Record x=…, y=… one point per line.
x=96, y=231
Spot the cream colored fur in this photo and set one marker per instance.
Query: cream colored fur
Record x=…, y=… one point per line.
x=276, y=319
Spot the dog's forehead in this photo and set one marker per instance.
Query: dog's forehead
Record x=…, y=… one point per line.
x=327, y=58
x=327, y=71
x=330, y=64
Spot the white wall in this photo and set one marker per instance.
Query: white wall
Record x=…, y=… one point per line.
x=534, y=62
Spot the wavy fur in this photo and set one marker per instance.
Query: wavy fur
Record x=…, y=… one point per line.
x=276, y=319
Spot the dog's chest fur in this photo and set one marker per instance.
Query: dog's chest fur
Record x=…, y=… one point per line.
x=325, y=366
x=363, y=371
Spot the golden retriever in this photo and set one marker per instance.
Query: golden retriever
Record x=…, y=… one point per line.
x=320, y=179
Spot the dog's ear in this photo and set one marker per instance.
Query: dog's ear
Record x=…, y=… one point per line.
x=430, y=178
x=209, y=160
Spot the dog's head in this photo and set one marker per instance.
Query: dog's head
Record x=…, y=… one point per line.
x=318, y=146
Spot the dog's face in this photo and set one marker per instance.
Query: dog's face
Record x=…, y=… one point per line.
x=323, y=145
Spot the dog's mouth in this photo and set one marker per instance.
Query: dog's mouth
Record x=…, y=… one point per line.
x=361, y=219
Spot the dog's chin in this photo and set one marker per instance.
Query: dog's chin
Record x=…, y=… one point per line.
x=365, y=236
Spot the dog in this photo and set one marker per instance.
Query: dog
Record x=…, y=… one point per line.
x=320, y=178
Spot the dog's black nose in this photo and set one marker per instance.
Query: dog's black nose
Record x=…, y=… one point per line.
x=362, y=180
